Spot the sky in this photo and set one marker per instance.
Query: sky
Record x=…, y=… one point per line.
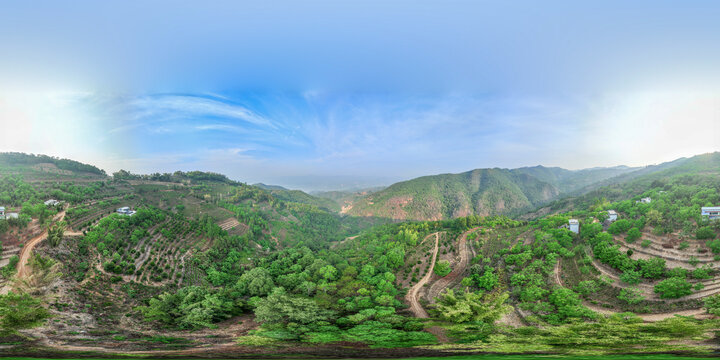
x=322, y=95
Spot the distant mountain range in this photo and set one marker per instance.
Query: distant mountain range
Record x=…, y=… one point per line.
x=508, y=191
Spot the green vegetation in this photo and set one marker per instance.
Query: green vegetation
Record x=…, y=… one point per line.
x=442, y=268
x=202, y=249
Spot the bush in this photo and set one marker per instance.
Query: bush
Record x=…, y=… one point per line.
x=631, y=296
x=632, y=235
x=20, y=311
x=631, y=277
x=673, y=288
x=620, y=226
x=705, y=233
x=645, y=243
x=442, y=268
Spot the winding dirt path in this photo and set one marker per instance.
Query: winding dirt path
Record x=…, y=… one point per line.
x=412, y=295
x=458, y=269
x=27, y=249
x=697, y=313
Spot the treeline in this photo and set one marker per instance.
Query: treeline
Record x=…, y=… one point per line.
x=178, y=177
x=21, y=159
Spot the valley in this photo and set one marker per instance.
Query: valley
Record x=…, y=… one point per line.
x=199, y=265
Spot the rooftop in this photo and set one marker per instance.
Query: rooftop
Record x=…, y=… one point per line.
x=574, y=222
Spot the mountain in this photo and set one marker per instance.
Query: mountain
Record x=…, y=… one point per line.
x=480, y=192
x=633, y=183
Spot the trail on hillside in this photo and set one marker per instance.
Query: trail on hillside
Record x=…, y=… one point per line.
x=412, y=295
x=458, y=269
x=27, y=249
x=697, y=313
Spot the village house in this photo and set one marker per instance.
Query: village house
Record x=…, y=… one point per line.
x=612, y=215
x=125, y=211
x=645, y=200
x=52, y=202
x=710, y=212
x=2, y=212
x=574, y=225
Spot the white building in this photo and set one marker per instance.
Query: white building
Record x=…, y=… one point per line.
x=645, y=200
x=52, y=202
x=711, y=212
x=2, y=212
x=125, y=211
x=574, y=225
x=612, y=215
x=12, y=216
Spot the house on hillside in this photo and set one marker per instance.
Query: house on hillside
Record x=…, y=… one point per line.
x=52, y=202
x=710, y=212
x=612, y=215
x=12, y=216
x=125, y=211
x=645, y=200
x=2, y=212
x=574, y=226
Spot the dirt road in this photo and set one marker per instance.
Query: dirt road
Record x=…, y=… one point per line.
x=697, y=313
x=412, y=295
x=458, y=269
x=30, y=245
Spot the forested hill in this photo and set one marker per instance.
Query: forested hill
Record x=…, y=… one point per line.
x=19, y=161
x=480, y=192
x=683, y=170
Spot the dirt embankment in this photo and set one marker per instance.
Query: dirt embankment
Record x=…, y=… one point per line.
x=458, y=269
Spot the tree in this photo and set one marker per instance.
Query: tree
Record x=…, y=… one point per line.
x=55, y=233
x=20, y=311
x=256, y=282
x=705, y=233
x=488, y=280
x=631, y=277
x=712, y=304
x=673, y=288
x=282, y=308
x=442, y=268
x=653, y=217
x=587, y=287
x=190, y=307
x=472, y=306
x=653, y=268
x=632, y=235
x=631, y=295
x=568, y=306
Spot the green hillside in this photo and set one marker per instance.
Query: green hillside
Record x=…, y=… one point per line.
x=481, y=192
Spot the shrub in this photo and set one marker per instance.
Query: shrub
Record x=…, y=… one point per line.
x=442, y=268
x=632, y=235
x=631, y=296
x=673, y=288
x=705, y=233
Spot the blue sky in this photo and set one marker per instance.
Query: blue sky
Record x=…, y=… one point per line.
x=333, y=94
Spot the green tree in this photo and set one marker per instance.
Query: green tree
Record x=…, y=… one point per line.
x=488, y=280
x=20, y=311
x=632, y=235
x=256, y=282
x=280, y=307
x=673, y=288
x=712, y=304
x=472, y=306
x=631, y=277
x=442, y=268
x=631, y=295
x=568, y=306
x=705, y=233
